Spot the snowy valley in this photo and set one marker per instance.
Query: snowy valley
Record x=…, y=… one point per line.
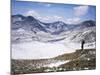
x=47, y=47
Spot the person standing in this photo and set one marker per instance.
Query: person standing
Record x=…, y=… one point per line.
x=82, y=44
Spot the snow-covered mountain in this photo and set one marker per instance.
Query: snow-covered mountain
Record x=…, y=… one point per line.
x=48, y=40
x=44, y=40
x=30, y=28
x=32, y=24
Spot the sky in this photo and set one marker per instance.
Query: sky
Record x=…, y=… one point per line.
x=51, y=12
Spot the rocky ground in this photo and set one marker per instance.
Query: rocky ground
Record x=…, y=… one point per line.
x=79, y=60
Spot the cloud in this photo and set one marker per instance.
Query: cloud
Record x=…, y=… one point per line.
x=32, y=13
x=41, y=17
x=81, y=10
x=47, y=5
x=73, y=20
x=44, y=4
x=52, y=18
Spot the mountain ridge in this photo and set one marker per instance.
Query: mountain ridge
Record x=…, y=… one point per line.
x=53, y=28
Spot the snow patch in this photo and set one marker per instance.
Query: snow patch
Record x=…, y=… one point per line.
x=39, y=50
x=56, y=64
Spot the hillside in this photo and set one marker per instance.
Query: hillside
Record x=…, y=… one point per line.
x=79, y=60
x=28, y=28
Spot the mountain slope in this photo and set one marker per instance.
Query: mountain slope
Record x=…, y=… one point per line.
x=37, y=30
x=30, y=35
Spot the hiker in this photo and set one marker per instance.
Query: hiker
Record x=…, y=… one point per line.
x=82, y=44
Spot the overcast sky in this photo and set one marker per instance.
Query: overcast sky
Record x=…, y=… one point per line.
x=50, y=12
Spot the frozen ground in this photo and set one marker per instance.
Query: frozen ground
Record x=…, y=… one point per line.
x=40, y=50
